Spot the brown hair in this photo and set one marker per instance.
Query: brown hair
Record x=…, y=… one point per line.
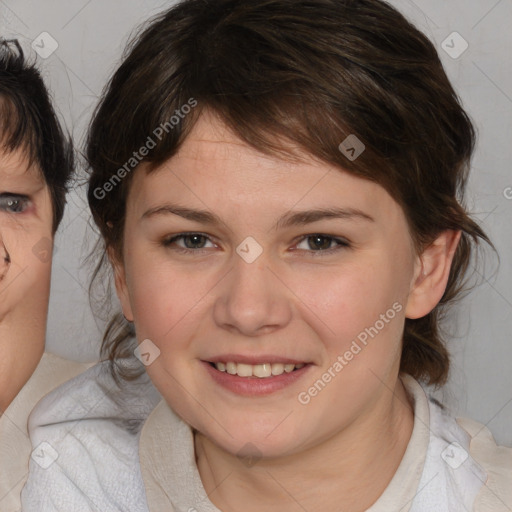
x=311, y=72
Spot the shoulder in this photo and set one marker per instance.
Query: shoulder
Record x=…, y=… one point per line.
x=15, y=446
x=94, y=396
x=84, y=437
x=51, y=372
x=464, y=469
x=476, y=464
x=496, y=494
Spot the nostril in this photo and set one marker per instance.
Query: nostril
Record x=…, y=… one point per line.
x=5, y=261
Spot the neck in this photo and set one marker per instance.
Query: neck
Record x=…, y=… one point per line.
x=21, y=348
x=348, y=471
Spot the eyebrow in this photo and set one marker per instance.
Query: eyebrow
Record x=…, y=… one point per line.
x=289, y=219
x=309, y=216
x=203, y=216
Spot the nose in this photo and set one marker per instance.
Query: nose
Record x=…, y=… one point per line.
x=5, y=260
x=252, y=300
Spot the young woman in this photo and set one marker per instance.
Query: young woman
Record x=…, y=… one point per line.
x=279, y=185
x=35, y=165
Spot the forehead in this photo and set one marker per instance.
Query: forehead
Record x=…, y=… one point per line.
x=216, y=170
x=17, y=168
x=211, y=137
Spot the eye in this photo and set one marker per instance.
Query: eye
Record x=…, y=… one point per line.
x=322, y=243
x=14, y=203
x=188, y=242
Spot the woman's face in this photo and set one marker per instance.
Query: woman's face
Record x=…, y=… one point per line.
x=25, y=263
x=237, y=265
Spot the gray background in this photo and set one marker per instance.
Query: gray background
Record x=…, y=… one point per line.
x=91, y=35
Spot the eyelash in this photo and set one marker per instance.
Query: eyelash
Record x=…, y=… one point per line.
x=341, y=243
x=19, y=198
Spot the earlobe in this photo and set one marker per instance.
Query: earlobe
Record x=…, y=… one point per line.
x=431, y=274
x=121, y=286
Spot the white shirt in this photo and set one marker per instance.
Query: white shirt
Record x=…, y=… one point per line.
x=126, y=450
x=15, y=447
x=435, y=474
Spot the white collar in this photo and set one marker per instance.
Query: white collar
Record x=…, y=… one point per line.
x=172, y=480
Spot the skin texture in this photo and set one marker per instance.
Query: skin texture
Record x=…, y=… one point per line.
x=25, y=267
x=292, y=302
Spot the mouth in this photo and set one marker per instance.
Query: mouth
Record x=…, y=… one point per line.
x=255, y=376
x=260, y=371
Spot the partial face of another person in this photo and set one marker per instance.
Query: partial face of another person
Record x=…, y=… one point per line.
x=252, y=277
x=25, y=265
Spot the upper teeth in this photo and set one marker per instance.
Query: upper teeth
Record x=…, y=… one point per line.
x=257, y=370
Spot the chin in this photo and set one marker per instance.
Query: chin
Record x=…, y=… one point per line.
x=264, y=442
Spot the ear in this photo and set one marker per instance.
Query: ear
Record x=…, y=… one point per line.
x=121, y=285
x=431, y=274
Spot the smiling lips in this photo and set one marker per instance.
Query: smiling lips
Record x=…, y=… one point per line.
x=261, y=371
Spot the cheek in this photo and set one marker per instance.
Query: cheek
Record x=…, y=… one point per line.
x=345, y=297
x=162, y=296
x=363, y=302
x=25, y=280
